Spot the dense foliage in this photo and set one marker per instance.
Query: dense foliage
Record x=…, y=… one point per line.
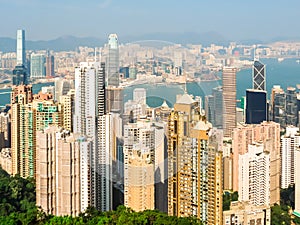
x=228, y=198
x=282, y=214
x=17, y=206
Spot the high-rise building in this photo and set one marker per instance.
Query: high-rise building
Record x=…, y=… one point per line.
x=20, y=72
x=189, y=191
x=291, y=107
x=37, y=66
x=21, y=54
x=22, y=129
x=267, y=133
x=68, y=104
x=139, y=159
x=229, y=99
x=85, y=124
x=113, y=61
x=29, y=114
x=58, y=172
x=256, y=106
x=214, y=107
x=259, y=76
x=91, y=121
x=114, y=100
x=50, y=66
x=289, y=144
x=254, y=175
x=62, y=87
x=277, y=106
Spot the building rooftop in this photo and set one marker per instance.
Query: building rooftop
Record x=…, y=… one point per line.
x=185, y=99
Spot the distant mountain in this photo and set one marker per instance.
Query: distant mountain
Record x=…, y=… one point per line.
x=66, y=43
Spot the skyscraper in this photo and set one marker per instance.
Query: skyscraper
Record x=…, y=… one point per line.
x=20, y=72
x=91, y=121
x=139, y=156
x=190, y=164
x=259, y=76
x=113, y=61
x=21, y=54
x=256, y=106
x=37, y=66
x=50, y=65
x=29, y=114
x=214, y=107
x=277, y=106
x=254, y=175
x=229, y=98
x=22, y=129
x=289, y=143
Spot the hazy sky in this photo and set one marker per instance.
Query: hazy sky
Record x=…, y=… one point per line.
x=234, y=19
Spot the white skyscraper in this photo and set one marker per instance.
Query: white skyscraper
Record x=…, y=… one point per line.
x=289, y=143
x=113, y=61
x=91, y=121
x=254, y=175
x=21, y=54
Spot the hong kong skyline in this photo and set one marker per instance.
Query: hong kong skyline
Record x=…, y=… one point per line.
x=235, y=20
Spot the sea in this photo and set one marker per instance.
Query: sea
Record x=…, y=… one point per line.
x=285, y=73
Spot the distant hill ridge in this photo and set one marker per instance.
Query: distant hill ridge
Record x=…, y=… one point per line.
x=67, y=43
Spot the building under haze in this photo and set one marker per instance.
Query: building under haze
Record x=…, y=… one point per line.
x=229, y=99
x=259, y=76
x=37, y=66
x=112, y=64
x=20, y=72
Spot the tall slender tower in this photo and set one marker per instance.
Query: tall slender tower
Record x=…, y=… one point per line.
x=190, y=164
x=21, y=54
x=229, y=98
x=20, y=71
x=22, y=129
x=113, y=61
x=91, y=121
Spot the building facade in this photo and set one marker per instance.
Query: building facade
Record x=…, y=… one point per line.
x=229, y=98
x=58, y=172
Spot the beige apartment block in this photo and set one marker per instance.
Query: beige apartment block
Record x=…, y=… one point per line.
x=267, y=133
x=58, y=172
x=139, y=187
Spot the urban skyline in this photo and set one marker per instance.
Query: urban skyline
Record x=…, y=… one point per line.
x=85, y=146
